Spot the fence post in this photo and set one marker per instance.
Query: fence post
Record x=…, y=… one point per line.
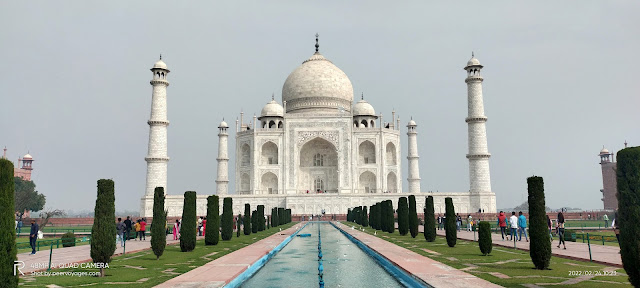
x=50, y=255
x=58, y=243
x=589, y=244
x=602, y=239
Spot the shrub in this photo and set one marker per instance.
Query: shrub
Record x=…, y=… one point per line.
x=227, y=218
x=378, y=216
x=246, y=221
x=391, y=223
x=254, y=221
x=261, y=224
x=450, y=225
x=8, y=249
x=413, y=217
x=403, y=216
x=540, y=246
x=371, y=217
x=212, y=233
x=365, y=220
x=238, y=225
x=158, y=232
x=103, y=231
x=189, y=223
x=281, y=216
x=484, y=238
x=68, y=239
x=274, y=217
x=429, y=220
x=628, y=174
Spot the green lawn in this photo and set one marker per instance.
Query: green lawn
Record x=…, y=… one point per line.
x=514, y=263
x=141, y=269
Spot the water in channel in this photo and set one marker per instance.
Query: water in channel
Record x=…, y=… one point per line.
x=345, y=265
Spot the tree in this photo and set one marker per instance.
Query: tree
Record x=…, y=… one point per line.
x=376, y=215
x=189, y=222
x=628, y=176
x=403, y=216
x=261, y=224
x=7, y=217
x=450, y=224
x=46, y=216
x=246, y=222
x=26, y=197
x=227, y=218
x=540, y=246
x=238, y=225
x=349, y=216
x=281, y=216
x=371, y=217
x=274, y=217
x=212, y=233
x=413, y=217
x=103, y=231
x=288, y=213
x=429, y=220
x=254, y=221
x=158, y=232
x=484, y=235
x=391, y=223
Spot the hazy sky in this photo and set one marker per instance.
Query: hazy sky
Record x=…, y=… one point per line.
x=559, y=84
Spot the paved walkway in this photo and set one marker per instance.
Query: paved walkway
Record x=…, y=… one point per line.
x=77, y=254
x=221, y=271
x=607, y=255
x=433, y=272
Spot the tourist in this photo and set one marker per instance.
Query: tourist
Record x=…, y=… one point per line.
x=560, y=226
x=143, y=229
x=128, y=225
x=502, y=223
x=136, y=227
x=120, y=228
x=176, y=229
x=33, y=236
x=522, y=227
x=204, y=226
x=200, y=226
x=514, y=225
x=439, y=222
x=469, y=222
x=458, y=221
x=616, y=228
x=549, y=225
x=606, y=220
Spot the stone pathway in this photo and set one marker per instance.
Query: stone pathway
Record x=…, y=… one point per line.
x=77, y=254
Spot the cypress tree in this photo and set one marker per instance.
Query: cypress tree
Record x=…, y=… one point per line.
x=450, y=224
x=628, y=178
x=261, y=224
x=158, y=232
x=245, y=221
x=227, y=218
x=349, y=215
x=429, y=220
x=281, y=216
x=371, y=217
x=391, y=226
x=254, y=221
x=384, y=215
x=484, y=238
x=288, y=215
x=378, y=216
x=212, y=233
x=274, y=217
x=238, y=225
x=413, y=217
x=403, y=216
x=103, y=231
x=540, y=246
x=8, y=251
x=188, y=226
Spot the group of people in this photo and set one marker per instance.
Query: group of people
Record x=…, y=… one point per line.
x=124, y=229
x=517, y=225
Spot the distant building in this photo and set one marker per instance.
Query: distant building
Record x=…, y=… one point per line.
x=23, y=172
x=609, y=179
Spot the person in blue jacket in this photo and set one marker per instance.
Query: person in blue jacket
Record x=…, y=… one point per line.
x=522, y=227
x=33, y=236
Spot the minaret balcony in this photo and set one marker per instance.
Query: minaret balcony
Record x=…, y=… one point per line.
x=479, y=156
x=159, y=81
x=158, y=123
x=480, y=119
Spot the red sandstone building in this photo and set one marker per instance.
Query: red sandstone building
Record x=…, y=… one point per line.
x=23, y=172
x=609, y=179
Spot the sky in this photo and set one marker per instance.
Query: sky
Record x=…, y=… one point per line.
x=558, y=85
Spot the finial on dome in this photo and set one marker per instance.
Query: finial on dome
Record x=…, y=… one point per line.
x=317, y=45
x=272, y=96
x=160, y=56
x=472, y=54
x=362, y=96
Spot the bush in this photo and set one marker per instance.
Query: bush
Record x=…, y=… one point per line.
x=261, y=224
x=212, y=233
x=238, y=225
x=7, y=225
x=274, y=217
x=227, y=219
x=365, y=216
x=628, y=174
x=103, y=231
x=413, y=217
x=391, y=222
x=158, y=232
x=403, y=216
x=68, y=239
x=246, y=221
x=450, y=224
x=254, y=221
x=378, y=215
x=281, y=216
x=484, y=238
x=188, y=227
x=429, y=220
x=540, y=246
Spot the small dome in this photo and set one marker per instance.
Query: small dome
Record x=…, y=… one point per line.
x=27, y=157
x=363, y=108
x=223, y=125
x=412, y=123
x=160, y=65
x=604, y=151
x=473, y=62
x=272, y=109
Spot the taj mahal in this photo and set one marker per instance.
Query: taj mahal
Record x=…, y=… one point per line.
x=318, y=150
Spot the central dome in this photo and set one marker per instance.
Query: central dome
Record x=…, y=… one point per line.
x=317, y=86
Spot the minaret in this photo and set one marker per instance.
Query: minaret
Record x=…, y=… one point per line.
x=609, y=179
x=157, y=158
x=222, y=182
x=478, y=156
x=414, y=169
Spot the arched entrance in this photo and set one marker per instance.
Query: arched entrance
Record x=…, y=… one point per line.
x=318, y=171
x=367, y=182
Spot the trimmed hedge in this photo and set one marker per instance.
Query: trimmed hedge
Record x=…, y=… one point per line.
x=158, y=232
x=188, y=226
x=450, y=225
x=227, y=218
x=212, y=233
x=68, y=239
x=254, y=221
x=628, y=177
x=261, y=224
x=391, y=222
x=484, y=238
x=403, y=216
x=246, y=220
x=8, y=250
x=103, y=231
x=413, y=217
x=429, y=220
x=540, y=246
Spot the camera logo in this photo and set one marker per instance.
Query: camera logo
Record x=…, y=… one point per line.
x=17, y=265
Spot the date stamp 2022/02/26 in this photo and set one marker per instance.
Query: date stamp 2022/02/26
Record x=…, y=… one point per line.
x=592, y=273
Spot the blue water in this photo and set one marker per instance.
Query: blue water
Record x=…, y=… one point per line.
x=345, y=265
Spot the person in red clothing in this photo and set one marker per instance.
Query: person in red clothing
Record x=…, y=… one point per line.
x=502, y=222
x=143, y=228
x=204, y=226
